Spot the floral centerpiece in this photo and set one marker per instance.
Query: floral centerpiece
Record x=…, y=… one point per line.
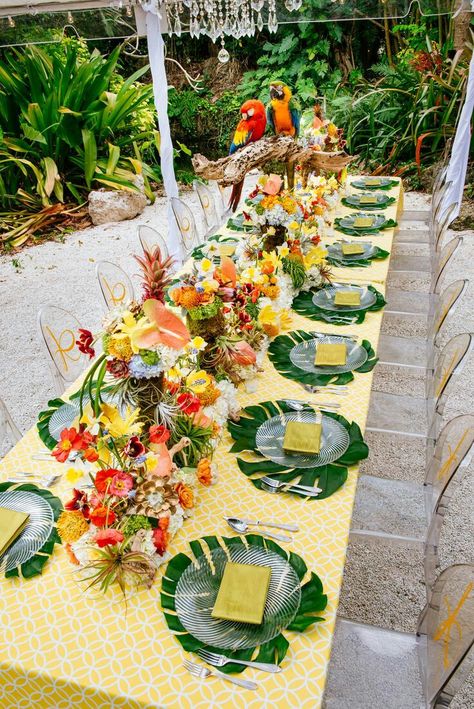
x=134, y=485
x=273, y=209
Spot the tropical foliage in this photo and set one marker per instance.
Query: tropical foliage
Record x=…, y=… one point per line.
x=69, y=124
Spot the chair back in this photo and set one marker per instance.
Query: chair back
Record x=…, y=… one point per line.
x=150, y=237
x=444, y=257
x=186, y=224
x=448, y=367
x=441, y=309
x=59, y=330
x=447, y=626
x=8, y=429
x=452, y=453
x=116, y=286
x=441, y=225
x=206, y=199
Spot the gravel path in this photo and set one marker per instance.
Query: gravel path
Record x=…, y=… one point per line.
x=382, y=585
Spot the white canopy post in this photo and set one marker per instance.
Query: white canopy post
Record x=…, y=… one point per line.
x=457, y=167
x=156, y=53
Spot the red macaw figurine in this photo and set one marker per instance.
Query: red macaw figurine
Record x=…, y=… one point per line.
x=250, y=128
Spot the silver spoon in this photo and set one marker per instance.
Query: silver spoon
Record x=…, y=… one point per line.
x=242, y=528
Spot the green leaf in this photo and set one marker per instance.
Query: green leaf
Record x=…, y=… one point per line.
x=303, y=304
x=90, y=155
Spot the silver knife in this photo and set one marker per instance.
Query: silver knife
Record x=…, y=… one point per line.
x=259, y=522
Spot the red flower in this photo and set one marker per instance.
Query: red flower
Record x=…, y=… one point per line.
x=134, y=447
x=160, y=536
x=104, y=478
x=85, y=341
x=78, y=501
x=108, y=537
x=102, y=516
x=158, y=434
x=188, y=403
x=69, y=440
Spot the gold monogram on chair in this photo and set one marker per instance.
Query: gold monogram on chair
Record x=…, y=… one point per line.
x=64, y=350
x=443, y=632
x=446, y=373
x=117, y=291
x=185, y=224
x=452, y=458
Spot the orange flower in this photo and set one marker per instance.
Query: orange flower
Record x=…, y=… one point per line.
x=204, y=472
x=102, y=516
x=267, y=267
x=185, y=495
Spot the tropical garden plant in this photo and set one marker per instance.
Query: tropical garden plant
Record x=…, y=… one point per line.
x=69, y=124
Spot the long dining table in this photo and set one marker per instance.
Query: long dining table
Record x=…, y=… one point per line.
x=64, y=647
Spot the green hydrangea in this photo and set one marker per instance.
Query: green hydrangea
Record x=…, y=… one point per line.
x=134, y=523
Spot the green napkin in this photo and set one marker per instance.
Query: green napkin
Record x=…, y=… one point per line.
x=349, y=249
x=12, y=523
x=243, y=593
x=302, y=437
x=347, y=297
x=330, y=354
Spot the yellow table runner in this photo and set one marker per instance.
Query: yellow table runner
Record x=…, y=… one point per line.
x=61, y=647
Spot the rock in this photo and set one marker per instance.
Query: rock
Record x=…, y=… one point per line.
x=115, y=205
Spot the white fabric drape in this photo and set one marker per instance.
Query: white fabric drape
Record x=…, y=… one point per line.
x=457, y=167
x=156, y=53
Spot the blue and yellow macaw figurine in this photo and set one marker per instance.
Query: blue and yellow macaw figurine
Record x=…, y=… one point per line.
x=283, y=117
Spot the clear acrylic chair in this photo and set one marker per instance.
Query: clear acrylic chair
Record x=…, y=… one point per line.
x=222, y=198
x=419, y=417
x=206, y=199
x=186, y=225
x=403, y=302
x=375, y=668
x=115, y=284
x=419, y=352
x=9, y=431
x=426, y=263
x=59, y=330
x=406, y=512
x=426, y=215
x=150, y=237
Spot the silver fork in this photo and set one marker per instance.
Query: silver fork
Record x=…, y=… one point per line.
x=278, y=485
x=220, y=660
x=300, y=405
x=204, y=672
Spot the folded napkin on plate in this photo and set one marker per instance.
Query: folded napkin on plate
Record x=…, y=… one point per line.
x=226, y=249
x=243, y=593
x=347, y=297
x=349, y=249
x=330, y=354
x=363, y=221
x=302, y=437
x=368, y=199
x=12, y=523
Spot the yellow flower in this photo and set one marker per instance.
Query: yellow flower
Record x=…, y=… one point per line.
x=205, y=265
x=151, y=462
x=197, y=343
x=135, y=328
x=272, y=257
x=119, y=346
x=72, y=475
x=116, y=424
x=315, y=256
x=71, y=526
x=174, y=374
x=198, y=381
x=268, y=319
x=332, y=183
x=286, y=321
x=283, y=251
x=210, y=285
x=294, y=226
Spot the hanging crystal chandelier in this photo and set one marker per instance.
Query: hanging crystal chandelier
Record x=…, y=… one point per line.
x=219, y=18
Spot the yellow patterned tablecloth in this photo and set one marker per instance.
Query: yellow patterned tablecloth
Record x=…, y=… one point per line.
x=60, y=647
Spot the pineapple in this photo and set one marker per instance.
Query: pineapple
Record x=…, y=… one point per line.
x=155, y=273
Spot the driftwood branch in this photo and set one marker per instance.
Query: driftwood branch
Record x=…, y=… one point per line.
x=233, y=168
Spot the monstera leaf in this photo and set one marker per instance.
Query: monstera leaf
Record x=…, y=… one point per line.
x=313, y=600
x=329, y=477
x=34, y=566
x=378, y=255
x=279, y=355
x=44, y=418
x=303, y=304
